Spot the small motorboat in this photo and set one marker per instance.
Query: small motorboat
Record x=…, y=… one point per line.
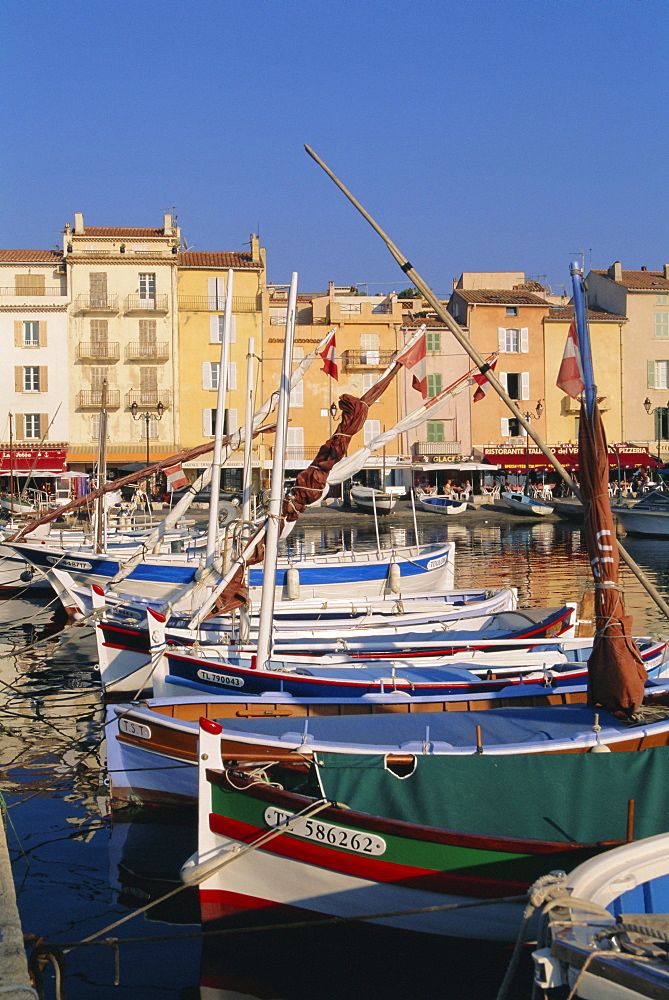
x=648, y=516
x=371, y=500
x=525, y=505
x=441, y=504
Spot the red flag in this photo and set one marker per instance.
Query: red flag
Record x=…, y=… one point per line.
x=176, y=478
x=482, y=383
x=415, y=357
x=328, y=355
x=570, y=376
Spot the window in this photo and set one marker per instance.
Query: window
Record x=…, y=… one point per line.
x=31, y=379
x=147, y=337
x=369, y=348
x=31, y=425
x=30, y=333
x=658, y=374
x=216, y=293
x=210, y=372
x=513, y=340
x=99, y=328
x=350, y=307
x=662, y=325
x=147, y=286
x=97, y=285
x=295, y=437
x=95, y=426
x=661, y=300
x=511, y=427
x=29, y=284
x=517, y=384
x=297, y=394
x=433, y=384
x=98, y=377
x=435, y=430
x=368, y=381
x=216, y=325
x=512, y=310
x=433, y=340
x=372, y=428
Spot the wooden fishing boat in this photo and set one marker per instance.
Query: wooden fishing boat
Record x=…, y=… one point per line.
x=519, y=503
x=441, y=505
x=605, y=938
x=366, y=835
x=371, y=500
x=152, y=745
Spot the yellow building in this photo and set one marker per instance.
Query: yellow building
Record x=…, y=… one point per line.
x=202, y=282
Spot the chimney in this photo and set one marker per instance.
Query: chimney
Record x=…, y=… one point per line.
x=167, y=224
x=255, y=247
x=616, y=271
x=79, y=224
x=643, y=267
x=665, y=272
x=331, y=289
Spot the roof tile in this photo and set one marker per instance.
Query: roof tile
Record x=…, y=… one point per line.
x=218, y=258
x=640, y=281
x=499, y=296
x=28, y=256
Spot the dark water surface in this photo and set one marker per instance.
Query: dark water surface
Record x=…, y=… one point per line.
x=77, y=871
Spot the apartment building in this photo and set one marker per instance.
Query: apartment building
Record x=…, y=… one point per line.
x=202, y=289
x=123, y=340
x=34, y=381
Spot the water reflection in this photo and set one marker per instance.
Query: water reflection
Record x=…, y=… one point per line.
x=77, y=871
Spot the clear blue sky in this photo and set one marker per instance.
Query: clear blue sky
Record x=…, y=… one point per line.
x=482, y=135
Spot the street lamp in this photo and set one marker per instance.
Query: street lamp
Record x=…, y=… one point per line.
x=659, y=412
x=538, y=410
x=147, y=417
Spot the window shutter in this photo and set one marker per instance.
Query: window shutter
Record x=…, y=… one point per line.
x=206, y=375
x=501, y=339
x=18, y=333
x=232, y=375
x=19, y=425
x=524, y=341
x=651, y=374
x=42, y=333
x=206, y=424
x=43, y=378
x=525, y=385
x=232, y=421
x=18, y=379
x=214, y=337
x=504, y=380
x=505, y=427
x=43, y=424
x=233, y=329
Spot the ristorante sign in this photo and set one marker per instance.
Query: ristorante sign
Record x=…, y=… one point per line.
x=518, y=457
x=33, y=460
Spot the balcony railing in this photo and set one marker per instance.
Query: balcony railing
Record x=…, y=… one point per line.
x=87, y=351
x=437, y=448
x=150, y=304
x=366, y=359
x=37, y=291
x=91, y=399
x=216, y=303
x=147, y=352
x=148, y=398
x=97, y=303
x=297, y=453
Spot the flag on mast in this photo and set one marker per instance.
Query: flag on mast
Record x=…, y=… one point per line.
x=415, y=358
x=176, y=477
x=482, y=383
x=328, y=355
x=570, y=376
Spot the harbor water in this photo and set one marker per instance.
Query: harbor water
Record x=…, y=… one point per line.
x=78, y=870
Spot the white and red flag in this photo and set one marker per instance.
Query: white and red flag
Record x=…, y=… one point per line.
x=482, y=383
x=570, y=375
x=414, y=358
x=176, y=477
x=328, y=355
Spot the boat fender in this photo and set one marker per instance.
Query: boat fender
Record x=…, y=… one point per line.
x=292, y=584
x=394, y=578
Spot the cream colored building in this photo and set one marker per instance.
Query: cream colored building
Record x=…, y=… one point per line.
x=202, y=284
x=35, y=378
x=123, y=330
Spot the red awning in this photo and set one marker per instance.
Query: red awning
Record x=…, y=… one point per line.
x=36, y=461
x=518, y=458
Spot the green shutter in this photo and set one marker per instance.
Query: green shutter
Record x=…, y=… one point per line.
x=651, y=374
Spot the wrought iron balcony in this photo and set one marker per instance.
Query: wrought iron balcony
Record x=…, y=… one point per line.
x=429, y=448
x=147, y=352
x=216, y=303
x=147, y=304
x=96, y=303
x=91, y=399
x=32, y=291
x=93, y=351
x=148, y=399
x=366, y=359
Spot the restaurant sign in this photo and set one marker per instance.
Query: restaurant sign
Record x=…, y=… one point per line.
x=518, y=457
x=32, y=460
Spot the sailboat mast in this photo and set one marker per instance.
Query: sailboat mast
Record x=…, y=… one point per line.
x=214, y=490
x=576, y=272
x=100, y=526
x=276, y=487
x=11, y=467
x=248, y=419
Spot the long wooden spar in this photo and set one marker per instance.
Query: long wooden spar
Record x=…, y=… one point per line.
x=485, y=369
x=182, y=456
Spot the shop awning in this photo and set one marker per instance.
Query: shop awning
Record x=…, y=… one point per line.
x=33, y=461
x=456, y=466
x=517, y=458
